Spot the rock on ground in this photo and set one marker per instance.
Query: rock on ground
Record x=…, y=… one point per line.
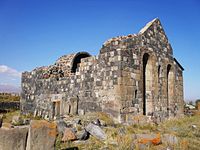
x=16, y=120
x=82, y=135
x=170, y=139
x=42, y=135
x=96, y=131
x=154, y=139
x=69, y=135
x=61, y=125
x=14, y=138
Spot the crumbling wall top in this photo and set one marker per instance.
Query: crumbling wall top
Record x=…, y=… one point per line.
x=65, y=66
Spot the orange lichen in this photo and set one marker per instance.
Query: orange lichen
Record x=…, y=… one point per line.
x=154, y=141
x=43, y=123
x=68, y=135
x=184, y=144
x=52, y=133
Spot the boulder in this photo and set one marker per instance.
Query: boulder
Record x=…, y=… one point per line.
x=82, y=135
x=154, y=139
x=97, y=122
x=61, y=125
x=17, y=120
x=76, y=122
x=26, y=121
x=96, y=131
x=14, y=138
x=69, y=135
x=42, y=135
x=170, y=139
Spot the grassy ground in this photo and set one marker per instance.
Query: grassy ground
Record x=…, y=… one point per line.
x=119, y=137
x=7, y=117
x=187, y=129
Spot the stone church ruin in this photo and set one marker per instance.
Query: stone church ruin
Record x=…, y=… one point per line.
x=132, y=75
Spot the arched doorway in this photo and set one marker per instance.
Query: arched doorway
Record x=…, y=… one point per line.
x=77, y=60
x=147, y=83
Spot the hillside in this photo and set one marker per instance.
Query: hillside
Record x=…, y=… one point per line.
x=9, y=97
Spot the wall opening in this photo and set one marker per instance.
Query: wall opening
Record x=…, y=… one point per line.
x=158, y=73
x=77, y=60
x=135, y=94
x=170, y=87
x=69, y=111
x=158, y=83
x=135, y=100
x=147, y=84
x=56, y=109
x=72, y=106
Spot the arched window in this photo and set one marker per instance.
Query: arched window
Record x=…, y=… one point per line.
x=158, y=83
x=147, y=83
x=135, y=94
x=158, y=73
x=77, y=60
x=170, y=85
x=136, y=99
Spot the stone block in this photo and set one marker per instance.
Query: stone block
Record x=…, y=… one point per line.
x=13, y=139
x=96, y=131
x=42, y=135
x=68, y=135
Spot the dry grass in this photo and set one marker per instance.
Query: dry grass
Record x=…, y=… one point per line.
x=106, y=118
x=120, y=137
x=7, y=117
x=187, y=129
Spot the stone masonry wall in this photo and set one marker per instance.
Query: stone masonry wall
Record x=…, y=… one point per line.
x=94, y=84
x=132, y=75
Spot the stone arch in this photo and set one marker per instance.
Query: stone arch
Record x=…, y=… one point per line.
x=77, y=60
x=170, y=86
x=148, y=78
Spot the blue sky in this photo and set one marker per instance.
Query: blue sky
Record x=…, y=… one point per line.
x=36, y=32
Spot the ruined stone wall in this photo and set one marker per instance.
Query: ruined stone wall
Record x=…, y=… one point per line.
x=162, y=98
x=132, y=75
x=94, y=85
